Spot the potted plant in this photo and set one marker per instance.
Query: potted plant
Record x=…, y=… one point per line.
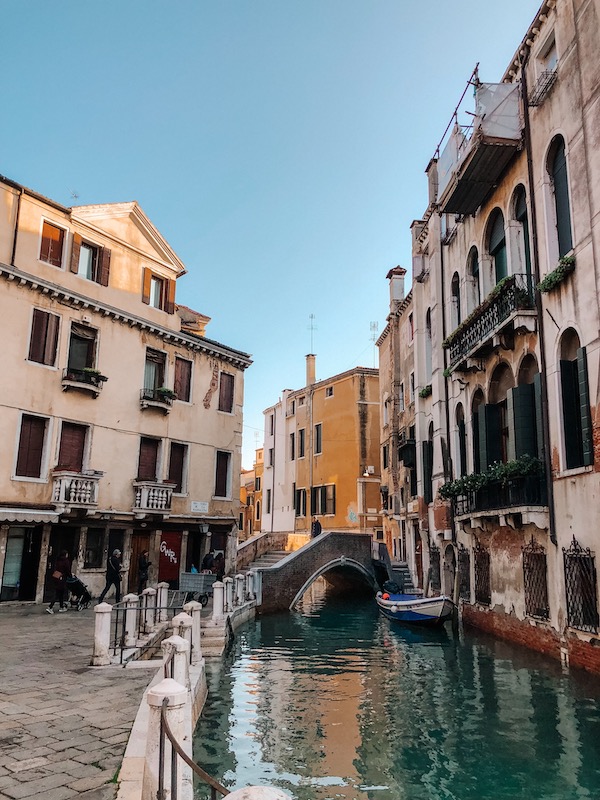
x=164, y=393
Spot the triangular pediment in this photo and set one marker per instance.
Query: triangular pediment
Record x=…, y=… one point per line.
x=128, y=224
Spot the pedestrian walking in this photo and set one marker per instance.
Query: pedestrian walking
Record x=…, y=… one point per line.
x=143, y=567
x=113, y=576
x=315, y=528
x=62, y=571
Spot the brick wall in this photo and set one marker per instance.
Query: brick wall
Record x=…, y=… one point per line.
x=282, y=582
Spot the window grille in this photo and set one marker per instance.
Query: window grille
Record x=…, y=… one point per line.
x=535, y=580
x=581, y=587
x=435, y=579
x=483, y=592
x=464, y=573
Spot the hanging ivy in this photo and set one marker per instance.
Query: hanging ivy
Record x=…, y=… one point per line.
x=498, y=472
x=565, y=267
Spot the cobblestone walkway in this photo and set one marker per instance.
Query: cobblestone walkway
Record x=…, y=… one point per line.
x=63, y=724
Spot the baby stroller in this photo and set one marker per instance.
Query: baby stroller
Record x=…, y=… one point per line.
x=80, y=594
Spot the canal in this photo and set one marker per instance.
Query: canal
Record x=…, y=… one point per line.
x=334, y=701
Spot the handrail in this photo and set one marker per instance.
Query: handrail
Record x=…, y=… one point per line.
x=208, y=779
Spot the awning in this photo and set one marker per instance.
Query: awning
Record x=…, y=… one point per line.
x=27, y=515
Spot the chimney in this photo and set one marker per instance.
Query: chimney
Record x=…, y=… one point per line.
x=310, y=369
x=396, y=278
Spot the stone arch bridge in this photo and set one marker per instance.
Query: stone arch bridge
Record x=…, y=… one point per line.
x=341, y=558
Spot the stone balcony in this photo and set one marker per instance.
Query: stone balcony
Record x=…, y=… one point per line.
x=152, y=497
x=75, y=489
x=84, y=380
x=161, y=399
x=510, y=306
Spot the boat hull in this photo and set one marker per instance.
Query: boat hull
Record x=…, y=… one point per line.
x=415, y=610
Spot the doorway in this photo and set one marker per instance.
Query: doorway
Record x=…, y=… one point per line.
x=61, y=538
x=140, y=541
x=21, y=563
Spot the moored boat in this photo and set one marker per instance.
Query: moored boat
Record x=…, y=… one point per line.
x=413, y=609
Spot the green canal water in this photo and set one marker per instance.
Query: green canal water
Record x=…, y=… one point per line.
x=337, y=702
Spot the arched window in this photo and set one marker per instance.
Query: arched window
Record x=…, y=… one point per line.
x=520, y=209
x=258, y=509
x=576, y=416
x=462, y=440
x=474, y=278
x=497, y=244
x=497, y=428
x=428, y=364
x=557, y=171
x=525, y=410
x=455, y=311
x=477, y=406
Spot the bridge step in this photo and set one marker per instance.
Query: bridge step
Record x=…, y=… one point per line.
x=268, y=559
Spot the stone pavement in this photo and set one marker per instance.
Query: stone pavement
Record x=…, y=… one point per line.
x=63, y=724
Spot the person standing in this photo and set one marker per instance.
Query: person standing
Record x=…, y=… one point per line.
x=113, y=576
x=62, y=571
x=143, y=567
x=315, y=528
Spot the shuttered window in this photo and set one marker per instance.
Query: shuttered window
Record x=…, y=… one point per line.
x=177, y=465
x=490, y=438
x=44, y=337
x=53, y=240
x=560, y=185
x=301, y=443
x=158, y=292
x=323, y=499
x=498, y=246
x=428, y=471
x=319, y=438
x=72, y=446
x=182, y=380
x=226, y=392
x=577, y=421
x=31, y=446
x=154, y=371
x=148, y=460
x=522, y=420
x=222, y=474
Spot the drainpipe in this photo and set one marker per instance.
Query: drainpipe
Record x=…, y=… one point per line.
x=18, y=214
x=538, y=304
x=310, y=379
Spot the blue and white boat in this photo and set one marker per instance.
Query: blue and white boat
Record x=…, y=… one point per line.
x=414, y=609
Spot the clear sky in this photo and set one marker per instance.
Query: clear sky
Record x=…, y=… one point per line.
x=278, y=145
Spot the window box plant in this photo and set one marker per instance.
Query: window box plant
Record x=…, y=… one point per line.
x=164, y=393
x=565, y=267
x=425, y=391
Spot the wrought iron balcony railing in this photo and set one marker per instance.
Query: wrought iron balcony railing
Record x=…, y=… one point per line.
x=529, y=490
x=159, y=398
x=90, y=380
x=75, y=489
x=152, y=497
x=511, y=295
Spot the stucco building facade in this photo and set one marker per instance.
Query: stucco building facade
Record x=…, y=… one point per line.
x=505, y=297
x=121, y=422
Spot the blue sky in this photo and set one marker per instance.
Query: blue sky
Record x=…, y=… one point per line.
x=278, y=145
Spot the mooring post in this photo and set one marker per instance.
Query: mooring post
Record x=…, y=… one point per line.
x=194, y=609
x=101, y=656
x=158, y=768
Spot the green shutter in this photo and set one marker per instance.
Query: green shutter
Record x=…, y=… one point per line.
x=571, y=414
x=462, y=447
x=427, y=471
x=482, y=439
x=523, y=420
x=561, y=200
x=511, y=445
x=587, y=439
x=476, y=453
x=539, y=420
x=493, y=428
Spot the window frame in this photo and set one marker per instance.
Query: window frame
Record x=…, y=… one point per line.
x=323, y=500
x=162, y=361
x=158, y=463
x=75, y=324
x=318, y=442
x=87, y=443
x=228, y=477
x=224, y=395
x=63, y=247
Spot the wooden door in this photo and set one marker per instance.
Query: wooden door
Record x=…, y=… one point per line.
x=140, y=541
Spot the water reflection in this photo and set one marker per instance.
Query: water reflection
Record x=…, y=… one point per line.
x=337, y=702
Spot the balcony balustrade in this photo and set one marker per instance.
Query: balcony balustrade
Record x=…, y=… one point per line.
x=152, y=497
x=75, y=489
x=512, y=295
x=527, y=491
x=161, y=398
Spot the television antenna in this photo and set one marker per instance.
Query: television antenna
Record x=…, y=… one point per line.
x=312, y=328
x=374, y=331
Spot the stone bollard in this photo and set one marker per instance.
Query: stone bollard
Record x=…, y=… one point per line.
x=162, y=601
x=259, y=793
x=218, y=601
x=101, y=657
x=194, y=609
x=177, y=696
x=149, y=606
x=180, y=648
x=240, y=583
x=228, y=594
x=182, y=626
x=132, y=607
x=250, y=585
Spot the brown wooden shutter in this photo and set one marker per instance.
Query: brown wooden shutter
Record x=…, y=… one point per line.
x=39, y=326
x=226, y=392
x=176, y=463
x=103, y=266
x=221, y=474
x=181, y=387
x=170, y=298
x=72, y=445
x=148, y=459
x=31, y=447
x=146, y=286
x=75, y=251
x=52, y=244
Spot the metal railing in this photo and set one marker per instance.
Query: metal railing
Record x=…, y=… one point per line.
x=529, y=490
x=147, y=618
x=176, y=750
x=515, y=294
